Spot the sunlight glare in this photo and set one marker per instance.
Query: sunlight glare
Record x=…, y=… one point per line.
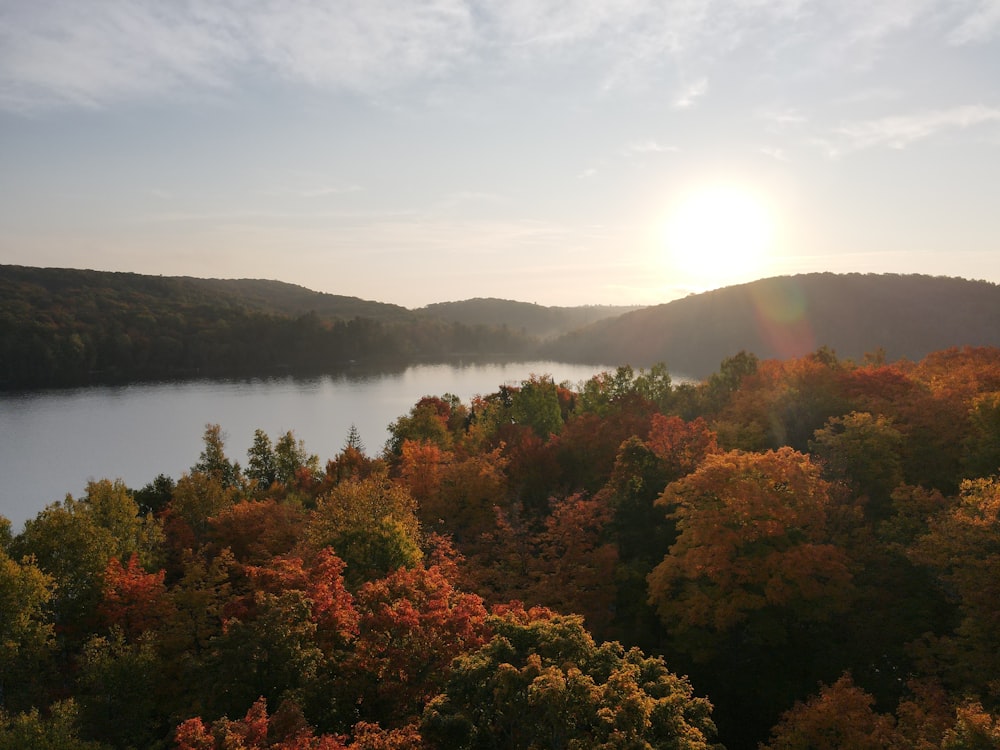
x=718, y=235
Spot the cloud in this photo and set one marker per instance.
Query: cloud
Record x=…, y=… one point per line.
x=66, y=53
x=775, y=153
x=981, y=25
x=649, y=147
x=691, y=93
x=902, y=130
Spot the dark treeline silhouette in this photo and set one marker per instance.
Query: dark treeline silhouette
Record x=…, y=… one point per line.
x=66, y=327
x=791, y=553
x=69, y=327
x=904, y=315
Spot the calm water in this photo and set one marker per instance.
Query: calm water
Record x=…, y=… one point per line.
x=52, y=442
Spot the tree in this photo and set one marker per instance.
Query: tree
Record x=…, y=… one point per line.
x=981, y=456
x=751, y=590
x=536, y=404
x=261, y=463
x=354, y=440
x=198, y=497
x=542, y=682
x=57, y=731
x=73, y=541
x=134, y=601
x=255, y=731
x=864, y=450
x=413, y=624
x=372, y=525
x=212, y=460
x=291, y=457
x=753, y=539
x=27, y=636
x=962, y=547
x=575, y=567
x=428, y=421
x=120, y=694
x=257, y=530
x=841, y=716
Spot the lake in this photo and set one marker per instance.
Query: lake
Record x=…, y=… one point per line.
x=52, y=442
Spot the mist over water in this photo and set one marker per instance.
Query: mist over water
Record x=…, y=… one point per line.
x=53, y=442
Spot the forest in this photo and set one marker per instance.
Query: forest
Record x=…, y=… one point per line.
x=790, y=553
x=67, y=327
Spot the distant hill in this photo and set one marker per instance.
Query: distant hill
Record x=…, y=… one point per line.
x=61, y=327
x=534, y=320
x=276, y=297
x=908, y=316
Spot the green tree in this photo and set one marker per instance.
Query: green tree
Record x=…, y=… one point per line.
x=290, y=457
x=212, y=460
x=59, y=730
x=981, y=456
x=536, y=404
x=542, y=682
x=865, y=451
x=119, y=691
x=372, y=525
x=73, y=541
x=261, y=464
x=26, y=632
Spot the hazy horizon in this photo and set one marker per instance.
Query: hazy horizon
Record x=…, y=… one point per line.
x=622, y=153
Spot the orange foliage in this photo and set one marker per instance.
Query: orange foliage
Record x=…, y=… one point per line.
x=134, y=600
x=413, y=623
x=681, y=445
x=332, y=606
x=752, y=534
x=420, y=467
x=256, y=531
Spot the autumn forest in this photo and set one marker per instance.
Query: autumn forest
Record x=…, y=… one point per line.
x=790, y=553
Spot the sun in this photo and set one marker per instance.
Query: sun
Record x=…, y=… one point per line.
x=719, y=234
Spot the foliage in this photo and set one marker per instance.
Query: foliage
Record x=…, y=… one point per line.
x=753, y=540
x=350, y=599
x=542, y=682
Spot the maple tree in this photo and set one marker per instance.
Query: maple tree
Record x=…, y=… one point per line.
x=412, y=624
x=134, y=601
x=752, y=538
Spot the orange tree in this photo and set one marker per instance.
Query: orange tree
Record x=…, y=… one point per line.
x=747, y=590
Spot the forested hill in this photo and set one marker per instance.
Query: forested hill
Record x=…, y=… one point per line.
x=73, y=288
x=72, y=327
x=532, y=319
x=908, y=316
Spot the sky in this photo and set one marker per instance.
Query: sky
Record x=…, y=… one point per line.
x=563, y=152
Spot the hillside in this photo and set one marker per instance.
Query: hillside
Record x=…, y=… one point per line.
x=907, y=316
x=534, y=320
x=73, y=287
x=62, y=327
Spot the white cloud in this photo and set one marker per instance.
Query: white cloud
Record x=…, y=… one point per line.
x=691, y=93
x=900, y=131
x=649, y=147
x=64, y=52
x=56, y=53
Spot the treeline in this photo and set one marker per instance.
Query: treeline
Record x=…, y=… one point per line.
x=814, y=543
x=908, y=316
x=61, y=327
